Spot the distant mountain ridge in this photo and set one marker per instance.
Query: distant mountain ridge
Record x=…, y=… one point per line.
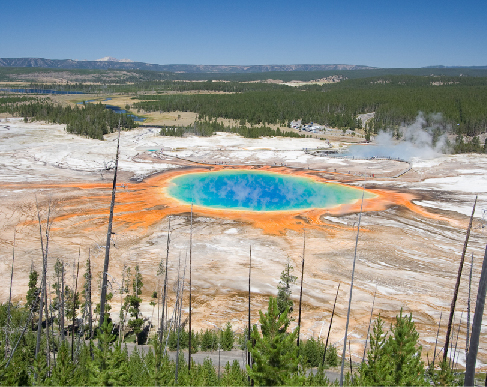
x=124, y=64
x=456, y=67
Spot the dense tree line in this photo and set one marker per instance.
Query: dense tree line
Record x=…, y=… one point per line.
x=91, y=120
x=395, y=101
x=77, y=356
x=8, y=103
x=207, y=128
x=393, y=357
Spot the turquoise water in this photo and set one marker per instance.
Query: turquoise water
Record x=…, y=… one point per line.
x=259, y=191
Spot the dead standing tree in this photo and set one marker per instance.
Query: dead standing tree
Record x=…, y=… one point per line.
x=329, y=327
x=476, y=325
x=190, y=329
x=457, y=286
x=103, y=297
x=301, y=288
x=43, y=297
x=351, y=292
x=7, y=327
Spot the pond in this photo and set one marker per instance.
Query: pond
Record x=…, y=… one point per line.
x=116, y=109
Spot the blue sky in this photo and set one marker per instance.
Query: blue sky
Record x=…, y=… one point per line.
x=376, y=33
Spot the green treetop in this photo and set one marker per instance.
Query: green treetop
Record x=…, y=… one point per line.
x=275, y=354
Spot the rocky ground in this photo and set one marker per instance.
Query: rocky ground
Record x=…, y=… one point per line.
x=408, y=254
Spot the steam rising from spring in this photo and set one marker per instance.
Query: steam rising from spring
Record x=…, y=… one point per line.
x=422, y=139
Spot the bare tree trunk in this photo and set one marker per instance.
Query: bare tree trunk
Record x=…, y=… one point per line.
x=436, y=342
x=27, y=323
x=164, y=301
x=456, y=342
x=368, y=329
x=457, y=285
x=329, y=327
x=52, y=325
x=48, y=343
x=351, y=292
x=43, y=282
x=7, y=328
x=190, y=312
x=301, y=288
x=178, y=311
x=74, y=310
x=300, y=301
x=122, y=314
x=62, y=302
x=47, y=232
x=477, y=324
x=88, y=295
x=103, y=296
x=468, y=307
x=177, y=326
x=350, y=354
x=250, y=328
x=164, y=294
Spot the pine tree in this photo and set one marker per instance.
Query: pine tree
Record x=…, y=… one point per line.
x=284, y=289
x=33, y=292
x=227, y=338
x=394, y=359
x=275, y=353
x=378, y=369
x=63, y=371
x=132, y=304
x=405, y=353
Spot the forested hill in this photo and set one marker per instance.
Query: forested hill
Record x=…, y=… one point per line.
x=177, y=68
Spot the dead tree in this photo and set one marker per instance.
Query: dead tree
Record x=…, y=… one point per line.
x=249, y=330
x=468, y=307
x=88, y=295
x=351, y=292
x=7, y=327
x=62, y=301
x=43, y=297
x=190, y=249
x=103, y=297
x=457, y=286
x=74, y=311
x=329, y=327
x=436, y=342
x=164, y=309
x=368, y=329
x=476, y=325
x=301, y=289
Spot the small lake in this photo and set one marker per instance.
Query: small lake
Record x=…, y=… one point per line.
x=259, y=191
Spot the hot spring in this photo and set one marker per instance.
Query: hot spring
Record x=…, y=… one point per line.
x=259, y=191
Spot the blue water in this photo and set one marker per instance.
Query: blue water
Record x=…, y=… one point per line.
x=259, y=191
x=117, y=109
x=41, y=91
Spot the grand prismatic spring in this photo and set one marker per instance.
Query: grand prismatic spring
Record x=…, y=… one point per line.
x=259, y=191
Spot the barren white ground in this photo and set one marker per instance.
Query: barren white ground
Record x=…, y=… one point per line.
x=408, y=260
